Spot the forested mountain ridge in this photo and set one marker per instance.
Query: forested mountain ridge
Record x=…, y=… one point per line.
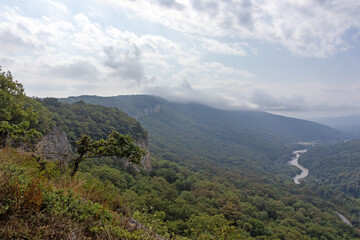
x=134, y=105
x=335, y=166
x=97, y=121
x=198, y=134
x=40, y=199
x=286, y=128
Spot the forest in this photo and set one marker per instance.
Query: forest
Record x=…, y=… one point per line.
x=336, y=166
x=39, y=199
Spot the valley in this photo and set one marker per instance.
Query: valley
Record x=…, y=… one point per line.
x=203, y=172
x=180, y=120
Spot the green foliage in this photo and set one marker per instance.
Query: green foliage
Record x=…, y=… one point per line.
x=15, y=134
x=18, y=113
x=38, y=204
x=80, y=119
x=217, y=190
x=335, y=166
x=219, y=207
x=134, y=105
x=116, y=145
x=200, y=135
x=59, y=203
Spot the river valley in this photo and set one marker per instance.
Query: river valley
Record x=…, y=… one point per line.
x=304, y=172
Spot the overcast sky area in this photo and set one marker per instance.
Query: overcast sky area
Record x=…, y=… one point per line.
x=290, y=57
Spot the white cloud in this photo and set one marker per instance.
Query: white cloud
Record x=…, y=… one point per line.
x=57, y=7
x=236, y=49
x=308, y=28
x=55, y=56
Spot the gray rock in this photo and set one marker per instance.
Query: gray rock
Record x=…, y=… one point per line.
x=54, y=145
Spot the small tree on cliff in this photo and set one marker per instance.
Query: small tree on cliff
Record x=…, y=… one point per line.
x=115, y=145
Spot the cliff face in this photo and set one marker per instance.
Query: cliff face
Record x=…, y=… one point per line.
x=145, y=161
x=55, y=145
x=146, y=111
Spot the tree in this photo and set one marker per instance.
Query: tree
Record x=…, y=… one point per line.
x=115, y=145
x=15, y=134
x=18, y=113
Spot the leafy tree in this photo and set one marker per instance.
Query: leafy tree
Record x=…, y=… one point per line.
x=18, y=113
x=115, y=145
x=14, y=134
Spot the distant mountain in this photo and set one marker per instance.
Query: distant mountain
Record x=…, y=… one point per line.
x=200, y=134
x=347, y=124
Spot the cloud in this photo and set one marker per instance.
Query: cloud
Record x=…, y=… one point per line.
x=170, y=4
x=14, y=42
x=267, y=102
x=57, y=7
x=211, y=45
x=309, y=28
x=87, y=56
x=80, y=68
x=126, y=65
x=185, y=93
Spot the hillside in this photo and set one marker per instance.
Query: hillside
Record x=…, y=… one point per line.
x=198, y=134
x=347, y=124
x=335, y=166
x=44, y=199
x=270, y=125
x=97, y=121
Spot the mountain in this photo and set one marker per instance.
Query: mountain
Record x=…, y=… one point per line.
x=335, y=166
x=199, y=134
x=347, y=124
x=96, y=121
x=41, y=198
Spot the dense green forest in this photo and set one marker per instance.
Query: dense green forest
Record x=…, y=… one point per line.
x=39, y=199
x=260, y=124
x=95, y=120
x=197, y=134
x=335, y=166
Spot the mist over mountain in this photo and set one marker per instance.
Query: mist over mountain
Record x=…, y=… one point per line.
x=211, y=174
x=215, y=146
x=347, y=124
x=197, y=133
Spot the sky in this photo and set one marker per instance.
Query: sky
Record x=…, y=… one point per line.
x=289, y=57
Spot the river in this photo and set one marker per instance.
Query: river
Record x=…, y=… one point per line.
x=304, y=172
x=295, y=162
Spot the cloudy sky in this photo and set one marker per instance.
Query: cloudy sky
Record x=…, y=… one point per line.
x=295, y=58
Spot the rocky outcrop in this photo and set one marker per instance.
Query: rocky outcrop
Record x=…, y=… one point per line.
x=147, y=111
x=54, y=145
x=145, y=161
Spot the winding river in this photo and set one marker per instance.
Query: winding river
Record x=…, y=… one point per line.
x=304, y=172
x=294, y=162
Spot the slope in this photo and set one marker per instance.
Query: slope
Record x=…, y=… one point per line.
x=199, y=134
x=336, y=166
x=347, y=124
